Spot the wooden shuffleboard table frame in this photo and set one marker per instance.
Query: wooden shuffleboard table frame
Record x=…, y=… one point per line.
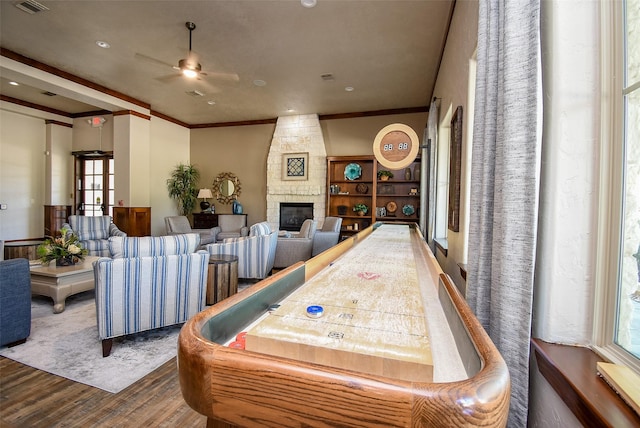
x=235, y=387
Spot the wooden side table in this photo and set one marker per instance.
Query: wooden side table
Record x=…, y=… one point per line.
x=222, y=280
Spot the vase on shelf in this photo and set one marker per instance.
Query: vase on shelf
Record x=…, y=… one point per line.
x=65, y=261
x=407, y=174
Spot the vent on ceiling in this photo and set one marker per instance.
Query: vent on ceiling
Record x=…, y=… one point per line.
x=195, y=93
x=31, y=6
x=327, y=77
x=49, y=94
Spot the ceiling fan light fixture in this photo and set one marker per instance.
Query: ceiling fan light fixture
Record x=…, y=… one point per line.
x=308, y=3
x=189, y=69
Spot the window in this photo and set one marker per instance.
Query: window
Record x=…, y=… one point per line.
x=94, y=185
x=617, y=328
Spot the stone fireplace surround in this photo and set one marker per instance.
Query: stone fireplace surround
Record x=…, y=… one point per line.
x=297, y=134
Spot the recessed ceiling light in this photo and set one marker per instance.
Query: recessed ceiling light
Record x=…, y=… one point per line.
x=14, y=83
x=349, y=88
x=290, y=110
x=259, y=82
x=211, y=102
x=103, y=44
x=308, y=3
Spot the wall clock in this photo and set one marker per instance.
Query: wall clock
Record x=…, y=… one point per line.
x=396, y=146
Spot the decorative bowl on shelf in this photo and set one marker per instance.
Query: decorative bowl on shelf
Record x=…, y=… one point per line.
x=391, y=207
x=353, y=171
x=362, y=188
x=408, y=210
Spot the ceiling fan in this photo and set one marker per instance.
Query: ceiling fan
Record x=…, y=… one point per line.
x=189, y=66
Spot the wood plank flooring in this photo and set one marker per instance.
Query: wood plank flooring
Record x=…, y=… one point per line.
x=34, y=398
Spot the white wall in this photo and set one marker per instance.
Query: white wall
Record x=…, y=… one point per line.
x=22, y=175
x=453, y=86
x=170, y=145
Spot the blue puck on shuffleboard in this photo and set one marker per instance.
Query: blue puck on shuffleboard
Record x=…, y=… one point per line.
x=315, y=311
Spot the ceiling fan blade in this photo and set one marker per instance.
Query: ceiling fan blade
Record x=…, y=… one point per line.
x=168, y=78
x=232, y=77
x=153, y=60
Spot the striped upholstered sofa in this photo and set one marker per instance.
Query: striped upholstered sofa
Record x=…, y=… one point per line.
x=148, y=283
x=94, y=232
x=256, y=252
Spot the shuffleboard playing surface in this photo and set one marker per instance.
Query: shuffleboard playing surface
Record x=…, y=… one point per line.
x=373, y=321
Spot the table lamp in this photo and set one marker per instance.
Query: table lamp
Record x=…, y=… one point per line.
x=205, y=193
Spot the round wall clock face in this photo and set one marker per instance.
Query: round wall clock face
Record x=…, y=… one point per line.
x=396, y=146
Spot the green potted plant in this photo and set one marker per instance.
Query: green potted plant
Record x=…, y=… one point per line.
x=384, y=175
x=361, y=209
x=183, y=187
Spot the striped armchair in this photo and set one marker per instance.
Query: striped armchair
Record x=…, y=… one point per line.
x=148, y=283
x=94, y=232
x=255, y=252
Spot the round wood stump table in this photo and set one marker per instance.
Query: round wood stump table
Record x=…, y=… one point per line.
x=223, y=277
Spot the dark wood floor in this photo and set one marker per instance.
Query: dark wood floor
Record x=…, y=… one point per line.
x=33, y=398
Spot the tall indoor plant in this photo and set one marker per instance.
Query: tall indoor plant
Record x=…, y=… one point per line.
x=183, y=187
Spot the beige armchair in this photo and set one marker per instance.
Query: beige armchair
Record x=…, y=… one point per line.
x=230, y=226
x=297, y=246
x=328, y=236
x=179, y=224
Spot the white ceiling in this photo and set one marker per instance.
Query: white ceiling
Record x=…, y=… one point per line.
x=387, y=50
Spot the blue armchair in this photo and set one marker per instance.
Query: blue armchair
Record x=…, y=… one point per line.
x=148, y=283
x=256, y=252
x=94, y=232
x=15, y=301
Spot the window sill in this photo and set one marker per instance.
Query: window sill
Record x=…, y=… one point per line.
x=442, y=245
x=571, y=371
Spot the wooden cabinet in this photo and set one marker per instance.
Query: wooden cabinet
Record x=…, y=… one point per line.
x=396, y=199
x=54, y=217
x=204, y=220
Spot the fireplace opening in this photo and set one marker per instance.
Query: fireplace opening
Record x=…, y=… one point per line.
x=293, y=214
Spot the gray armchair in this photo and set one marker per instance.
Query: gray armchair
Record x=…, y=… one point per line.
x=230, y=226
x=328, y=236
x=15, y=301
x=297, y=247
x=179, y=224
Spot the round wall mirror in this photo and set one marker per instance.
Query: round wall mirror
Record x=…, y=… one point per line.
x=226, y=187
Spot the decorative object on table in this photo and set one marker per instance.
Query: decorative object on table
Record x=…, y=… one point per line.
x=407, y=174
x=384, y=175
x=226, y=187
x=182, y=187
x=237, y=207
x=408, y=210
x=342, y=210
x=360, y=209
x=353, y=171
x=66, y=249
x=413, y=191
x=295, y=166
x=455, y=170
x=362, y=188
x=391, y=208
x=205, y=194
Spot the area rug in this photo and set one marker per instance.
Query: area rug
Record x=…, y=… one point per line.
x=67, y=345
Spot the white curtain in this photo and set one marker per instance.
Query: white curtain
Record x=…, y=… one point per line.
x=504, y=184
x=430, y=157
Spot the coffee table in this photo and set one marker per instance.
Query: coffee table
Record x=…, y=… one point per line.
x=60, y=282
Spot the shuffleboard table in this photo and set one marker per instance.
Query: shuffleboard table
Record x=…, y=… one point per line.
x=393, y=344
